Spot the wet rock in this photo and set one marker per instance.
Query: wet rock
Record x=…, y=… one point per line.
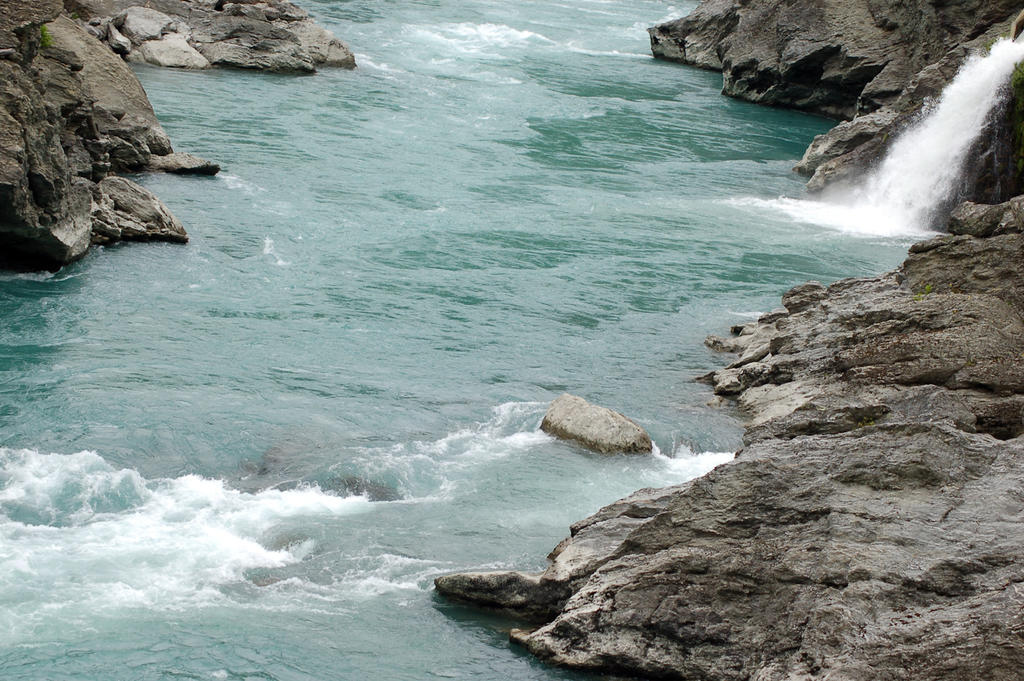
x=353, y=485
x=592, y=543
x=984, y=220
x=597, y=428
x=124, y=211
x=845, y=556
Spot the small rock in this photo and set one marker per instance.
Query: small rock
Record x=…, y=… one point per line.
x=140, y=24
x=183, y=163
x=597, y=428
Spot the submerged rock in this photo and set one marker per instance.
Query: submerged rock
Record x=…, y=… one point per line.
x=598, y=428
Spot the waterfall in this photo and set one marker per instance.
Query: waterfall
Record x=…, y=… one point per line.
x=920, y=171
x=922, y=167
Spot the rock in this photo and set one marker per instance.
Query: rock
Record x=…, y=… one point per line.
x=834, y=57
x=182, y=163
x=117, y=41
x=353, y=485
x=140, y=24
x=270, y=35
x=124, y=211
x=843, y=139
x=172, y=50
x=873, y=522
x=597, y=428
x=984, y=220
x=128, y=130
x=592, y=543
x=44, y=208
x=849, y=556
x=322, y=46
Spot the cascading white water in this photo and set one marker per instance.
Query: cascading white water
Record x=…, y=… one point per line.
x=923, y=165
x=920, y=170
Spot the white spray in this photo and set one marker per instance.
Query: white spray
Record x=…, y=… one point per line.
x=921, y=169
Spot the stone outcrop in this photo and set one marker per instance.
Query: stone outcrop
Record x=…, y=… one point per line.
x=270, y=35
x=835, y=57
x=871, y=525
x=874, y=64
x=597, y=428
x=71, y=114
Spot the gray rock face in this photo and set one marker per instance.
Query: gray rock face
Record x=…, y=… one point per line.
x=124, y=211
x=834, y=57
x=269, y=35
x=70, y=114
x=603, y=430
x=875, y=63
x=873, y=523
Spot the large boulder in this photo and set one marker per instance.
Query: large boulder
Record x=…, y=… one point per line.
x=597, y=428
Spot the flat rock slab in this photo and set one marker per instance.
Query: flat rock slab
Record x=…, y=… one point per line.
x=597, y=428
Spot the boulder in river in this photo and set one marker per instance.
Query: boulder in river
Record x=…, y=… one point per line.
x=597, y=428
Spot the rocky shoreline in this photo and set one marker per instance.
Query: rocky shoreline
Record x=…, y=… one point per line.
x=73, y=115
x=872, y=526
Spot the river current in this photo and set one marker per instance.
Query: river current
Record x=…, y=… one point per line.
x=396, y=271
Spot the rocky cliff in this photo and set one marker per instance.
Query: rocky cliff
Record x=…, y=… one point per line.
x=871, y=527
x=71, y=115
x=872, y=524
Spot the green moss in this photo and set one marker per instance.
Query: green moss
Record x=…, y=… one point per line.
x=45, y=39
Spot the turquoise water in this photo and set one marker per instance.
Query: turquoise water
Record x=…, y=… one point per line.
x=395, y=272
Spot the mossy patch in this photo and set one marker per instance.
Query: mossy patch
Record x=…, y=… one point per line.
x=45, y=39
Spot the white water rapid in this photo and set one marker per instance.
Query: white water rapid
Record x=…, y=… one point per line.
x=921, y=168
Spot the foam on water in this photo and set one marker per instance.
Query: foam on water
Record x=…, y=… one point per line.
x=920, y=171
x=477, y=40
x=79, y=537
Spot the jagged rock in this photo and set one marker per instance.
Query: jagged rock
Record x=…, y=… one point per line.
x=591, y=543
x=835, y=57
x=172, y=50
x=855, y=556
x=597, y=428
x=270, y=35
x=872, y=523
x=44, y=210
x=844, y=138
x=124, y=211
x=117, y=41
